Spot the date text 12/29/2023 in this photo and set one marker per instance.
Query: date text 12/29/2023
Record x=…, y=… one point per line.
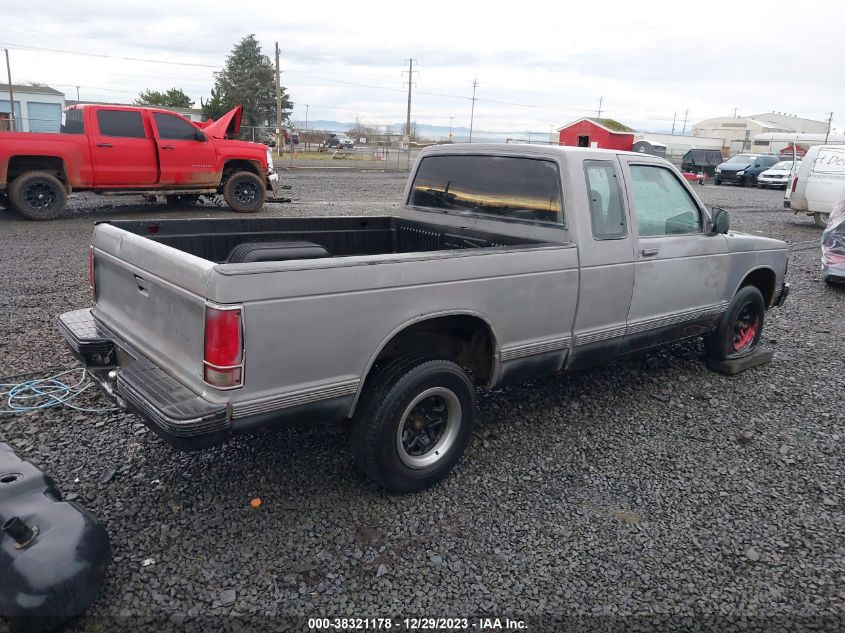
x=416, y=624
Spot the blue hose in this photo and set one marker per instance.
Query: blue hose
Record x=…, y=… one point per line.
x=44, y=393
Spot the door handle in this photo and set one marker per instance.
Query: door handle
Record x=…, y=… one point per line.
x=104, y=145
x=167, y=147
x=649, y=252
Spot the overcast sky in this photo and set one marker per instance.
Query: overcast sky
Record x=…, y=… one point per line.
x=538, y=65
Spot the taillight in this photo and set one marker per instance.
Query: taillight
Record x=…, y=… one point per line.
x=92, y=284
x=223, y=350
x=794, y=184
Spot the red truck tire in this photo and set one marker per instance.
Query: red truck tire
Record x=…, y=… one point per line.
x=244, y=192
x=38, y=195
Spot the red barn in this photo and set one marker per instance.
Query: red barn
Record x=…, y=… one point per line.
x=594, y=132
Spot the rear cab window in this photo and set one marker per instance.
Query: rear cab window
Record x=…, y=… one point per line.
x=506, y=187
x=607, y=216
x=121, y=123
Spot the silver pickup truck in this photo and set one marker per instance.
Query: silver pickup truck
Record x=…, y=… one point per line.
x=506, y=262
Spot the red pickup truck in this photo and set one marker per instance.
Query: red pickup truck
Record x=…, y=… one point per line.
x=124, y=149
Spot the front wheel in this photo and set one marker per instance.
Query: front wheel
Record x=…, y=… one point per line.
x=738, y=335
x=414, y=422
x=821, y=219
x=38, y=195
x=718, y=180
x=244, y=192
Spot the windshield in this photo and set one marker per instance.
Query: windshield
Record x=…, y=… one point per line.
x=784, y=164
x=742, y=158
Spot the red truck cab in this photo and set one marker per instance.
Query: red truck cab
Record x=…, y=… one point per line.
x=126, y=149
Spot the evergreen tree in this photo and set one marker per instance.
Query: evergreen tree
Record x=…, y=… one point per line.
x=248, y=79
x=173, y=98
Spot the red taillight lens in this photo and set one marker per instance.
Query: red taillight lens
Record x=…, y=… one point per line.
x=91, y=281
x=223, y=354
x=794, y=184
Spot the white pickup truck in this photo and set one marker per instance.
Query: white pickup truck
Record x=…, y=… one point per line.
x=506, y=262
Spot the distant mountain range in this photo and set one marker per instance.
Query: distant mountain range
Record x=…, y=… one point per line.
x=432, y=132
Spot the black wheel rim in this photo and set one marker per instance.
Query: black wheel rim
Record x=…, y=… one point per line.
x=746, y=329
x=246, y=192
x=429, y=427
x=40, y=196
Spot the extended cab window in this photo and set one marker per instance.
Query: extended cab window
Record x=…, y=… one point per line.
x=664, y=207
x=606, y=213
x=125, y=123
x=174, y=128
x=503, y=186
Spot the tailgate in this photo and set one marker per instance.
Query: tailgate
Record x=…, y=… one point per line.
x=153, y=297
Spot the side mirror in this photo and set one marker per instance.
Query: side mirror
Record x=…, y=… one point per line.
x=201, y=136
x=721, y=221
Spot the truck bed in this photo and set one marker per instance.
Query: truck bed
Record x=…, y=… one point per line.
x=216, y=240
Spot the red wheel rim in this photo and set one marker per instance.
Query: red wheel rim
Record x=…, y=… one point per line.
x=745, y=329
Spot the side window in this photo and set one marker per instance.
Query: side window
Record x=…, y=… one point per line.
x=173, y=128
x=606, y=213
x=125, y=123
x=503, y=186
x=664, y=207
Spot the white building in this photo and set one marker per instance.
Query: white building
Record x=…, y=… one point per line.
x=738, y=133
x=37, y=108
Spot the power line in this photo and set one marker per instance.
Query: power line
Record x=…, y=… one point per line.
x=105, y=56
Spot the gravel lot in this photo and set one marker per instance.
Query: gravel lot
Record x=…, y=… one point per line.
x=646, y=493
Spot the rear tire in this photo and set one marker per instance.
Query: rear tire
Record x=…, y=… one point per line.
x=38, y=195
x=821, y=219
x=413, y=422
x=244, y=192
x=738, y=335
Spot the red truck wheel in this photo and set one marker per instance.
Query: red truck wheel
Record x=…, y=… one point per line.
x=244, y=192
x=38, y=195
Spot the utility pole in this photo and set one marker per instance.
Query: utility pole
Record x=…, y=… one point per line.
x=77, y=94
x=11, y=94
x=450, y=128
x=410, y=83
x=306, y=118
x=735, y=109
x=686, y=115
x=280, y=138
x=472, y=111
x=674, y=118
x=826, y=136
x=600, y=101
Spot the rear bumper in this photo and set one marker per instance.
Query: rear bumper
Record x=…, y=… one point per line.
x=174, y=412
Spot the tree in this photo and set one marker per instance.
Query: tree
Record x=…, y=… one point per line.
x=248, y=79
x=173, y=98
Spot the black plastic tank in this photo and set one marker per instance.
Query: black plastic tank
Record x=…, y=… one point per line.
x=53, y=554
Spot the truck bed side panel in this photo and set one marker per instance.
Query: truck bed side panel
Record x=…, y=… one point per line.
x=335, y=316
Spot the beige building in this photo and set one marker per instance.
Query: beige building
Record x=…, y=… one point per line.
x=738, y=133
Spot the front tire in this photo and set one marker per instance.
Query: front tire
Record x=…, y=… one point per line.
x=738, y=335
x=244, y=192
x=38, y=195
x=718, y=180
x=414, y=422
x=821, y=219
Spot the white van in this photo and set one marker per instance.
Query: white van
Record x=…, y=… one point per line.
x=818, y=183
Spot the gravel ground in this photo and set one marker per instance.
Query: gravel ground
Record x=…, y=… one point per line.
x=649, y=493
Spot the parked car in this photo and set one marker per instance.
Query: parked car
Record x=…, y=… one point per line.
x=338, y=141
x=123, y=149
x=833, y=245
x=777, y=176
x=391, y=322
x=818, y=183
x=691, y=176
x=743, y=169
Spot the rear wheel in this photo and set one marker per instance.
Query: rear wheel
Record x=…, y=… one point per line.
x=738, y=335
x=821, y=219
x=38, y=195
x=414, y=422
x=244, y=192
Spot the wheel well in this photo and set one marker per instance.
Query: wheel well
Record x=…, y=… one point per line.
x=764, y=280
x=464, y=339
x=240, y=165
x=22, y=164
